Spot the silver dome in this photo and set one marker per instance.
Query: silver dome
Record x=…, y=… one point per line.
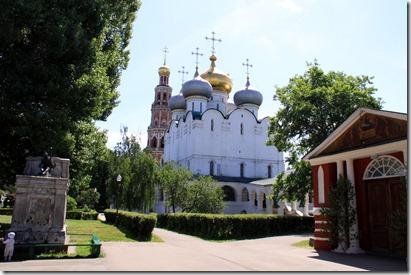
x=177, y=102
x=248, y=96
x=197, y=87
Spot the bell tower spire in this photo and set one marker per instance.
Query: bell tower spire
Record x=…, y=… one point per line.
x=160, y=112
x=164, y=71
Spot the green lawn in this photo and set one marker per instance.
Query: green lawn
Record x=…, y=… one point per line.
x=5, y=219
x=80, y=231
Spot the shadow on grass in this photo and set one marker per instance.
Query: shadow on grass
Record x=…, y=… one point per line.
x=220, y=240
x=131, y=235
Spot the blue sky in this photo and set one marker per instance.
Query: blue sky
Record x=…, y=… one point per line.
x=366, y=37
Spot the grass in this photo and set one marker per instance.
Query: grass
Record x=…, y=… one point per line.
x=80, y=231
x=303, y=244
x=5, y=219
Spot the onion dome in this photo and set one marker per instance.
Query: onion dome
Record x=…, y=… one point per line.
x=164, y=71
x=218, y=79
x=177, y=102
x=248, y=96
x=197, y=87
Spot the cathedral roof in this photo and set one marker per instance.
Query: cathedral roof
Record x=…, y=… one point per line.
x=248, y=96
x=217, y=78
x=197, y=87
x=177, y=102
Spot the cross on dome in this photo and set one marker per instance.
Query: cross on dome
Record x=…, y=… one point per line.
x=182, y=72
x=165, y=51
x=196, y=54
x=213, y=40
x=248, y=65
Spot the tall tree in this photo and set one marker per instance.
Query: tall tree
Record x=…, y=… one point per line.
x=313, y=106
x=137, y=188
x=174, y=181
x=60, y=65
x=203, y=196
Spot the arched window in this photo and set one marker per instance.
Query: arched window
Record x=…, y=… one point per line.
x=255, y=199
x=321, y=196
x=158, y=97
x=229, y=193
x=153, y=142
x=242, y=170
x=269, y=171
x=264, y=201
x=201, y=107
x=385, y=167
x=188, y=164
x=162, y=142
x=211, y=168
x=212, y=125
x=192, y=106
x=241, y=128
x=155, y=123
x=244, y=195
x=218, y=107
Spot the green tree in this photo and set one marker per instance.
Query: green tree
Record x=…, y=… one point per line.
x=88, y=198
x=60, y=66
x=203, y=196
x=313, y=106
x=341, y=213
x=71, y=203
x=174, y=181
x=137, y=169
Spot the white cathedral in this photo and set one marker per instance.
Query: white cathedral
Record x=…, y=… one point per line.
x=211, y=136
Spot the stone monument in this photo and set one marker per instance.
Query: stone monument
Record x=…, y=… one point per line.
x=39, y=211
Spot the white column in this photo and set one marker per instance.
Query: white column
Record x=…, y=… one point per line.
x=306, y=203
x=354, y=243
x=340, y=168
x=404, y=153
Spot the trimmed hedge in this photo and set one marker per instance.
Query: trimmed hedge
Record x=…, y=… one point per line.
x=241, y=226
x=140, y=225
x=77, y=214
x=6, y=211
x=81, y=215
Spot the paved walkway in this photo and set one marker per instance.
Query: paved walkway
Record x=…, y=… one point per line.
x=186, y=253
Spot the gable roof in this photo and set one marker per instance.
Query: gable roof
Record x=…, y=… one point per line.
x=348, y=123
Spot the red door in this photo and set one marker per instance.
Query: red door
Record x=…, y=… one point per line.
x=384, y=198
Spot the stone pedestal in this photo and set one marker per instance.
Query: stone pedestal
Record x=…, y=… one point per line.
x=39, y=211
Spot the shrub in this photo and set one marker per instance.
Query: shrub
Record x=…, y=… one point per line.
x=221, y=227
x=6, y=211
x=80, y=214
x=71, y=203
x=140, y=225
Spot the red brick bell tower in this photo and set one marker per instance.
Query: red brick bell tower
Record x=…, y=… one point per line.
x=160, y=113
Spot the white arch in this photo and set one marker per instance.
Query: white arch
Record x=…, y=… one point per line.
x=385, y=166
x=321, y=195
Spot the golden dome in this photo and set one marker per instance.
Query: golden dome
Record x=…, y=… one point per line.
x=164, y=71
x=218, y=79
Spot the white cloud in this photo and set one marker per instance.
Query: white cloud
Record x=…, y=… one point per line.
x=113, y=137
x=290, y=5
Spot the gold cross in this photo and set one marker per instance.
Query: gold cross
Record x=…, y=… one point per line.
x=197, y=54
x=248, y=65
x=165, y=51
x=213, y=39
x=182, y=72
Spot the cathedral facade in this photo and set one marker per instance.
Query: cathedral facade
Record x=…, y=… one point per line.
x=210, y=136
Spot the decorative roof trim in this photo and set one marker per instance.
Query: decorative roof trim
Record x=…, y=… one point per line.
x=348, y=123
